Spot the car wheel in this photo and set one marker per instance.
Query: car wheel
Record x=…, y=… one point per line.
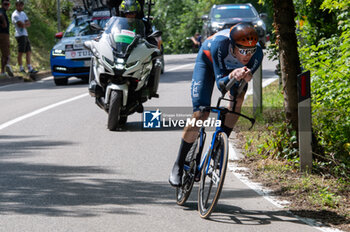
x=61, y=81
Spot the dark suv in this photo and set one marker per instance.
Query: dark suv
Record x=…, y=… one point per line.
x=226, y=15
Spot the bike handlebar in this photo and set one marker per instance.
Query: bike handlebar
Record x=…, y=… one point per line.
x=238, y=89
x=225, y=88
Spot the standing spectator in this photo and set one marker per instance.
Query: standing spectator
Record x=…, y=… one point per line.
x=21, y=22
x=197, y=42
x=5, y=39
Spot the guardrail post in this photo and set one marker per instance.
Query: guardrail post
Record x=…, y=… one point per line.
x=304, y=121
x=257, y=91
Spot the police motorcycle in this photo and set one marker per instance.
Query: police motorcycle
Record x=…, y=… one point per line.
x=125, y=69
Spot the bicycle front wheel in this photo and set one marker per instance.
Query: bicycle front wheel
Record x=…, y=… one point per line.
x=213, y=176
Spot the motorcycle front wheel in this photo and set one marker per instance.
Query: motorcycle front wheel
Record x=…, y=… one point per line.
x=114, y=118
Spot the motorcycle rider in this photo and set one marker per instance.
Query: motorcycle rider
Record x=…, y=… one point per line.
x=116, y=4
x=134, y=9
x=230, y=53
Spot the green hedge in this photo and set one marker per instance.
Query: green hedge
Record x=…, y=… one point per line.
x=329, y=62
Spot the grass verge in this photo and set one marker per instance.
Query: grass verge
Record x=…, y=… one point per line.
x=271, y=154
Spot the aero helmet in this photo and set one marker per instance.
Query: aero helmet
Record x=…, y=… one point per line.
x=243, y=35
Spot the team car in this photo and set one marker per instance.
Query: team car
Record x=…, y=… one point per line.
x=68, y=57
x=227, y=15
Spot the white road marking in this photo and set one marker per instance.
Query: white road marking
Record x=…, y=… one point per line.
x=179, y=67
x=21, y=118
x=234, y=155
x=41, y=110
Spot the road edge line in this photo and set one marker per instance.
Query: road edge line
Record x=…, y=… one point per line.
x=235, y=155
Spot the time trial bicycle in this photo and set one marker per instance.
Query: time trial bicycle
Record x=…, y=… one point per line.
x=210, y=169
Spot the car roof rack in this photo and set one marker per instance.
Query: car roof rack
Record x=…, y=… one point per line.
x=95, y=5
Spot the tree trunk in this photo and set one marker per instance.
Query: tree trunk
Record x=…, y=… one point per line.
x=284, y=25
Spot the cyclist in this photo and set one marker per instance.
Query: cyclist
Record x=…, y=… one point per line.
x=231, y=53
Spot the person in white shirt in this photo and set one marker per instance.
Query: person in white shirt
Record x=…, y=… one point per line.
x=21, y=22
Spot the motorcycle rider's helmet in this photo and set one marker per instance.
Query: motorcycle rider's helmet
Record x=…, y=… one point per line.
x=129, y=8
x=243, y=35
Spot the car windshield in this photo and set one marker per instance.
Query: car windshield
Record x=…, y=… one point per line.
x=80, y=27
x=225, y=12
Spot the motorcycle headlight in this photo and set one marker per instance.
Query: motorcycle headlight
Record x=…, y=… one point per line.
x=120, y=66
x=57, y=52
x=119, y=60
x=119, y=63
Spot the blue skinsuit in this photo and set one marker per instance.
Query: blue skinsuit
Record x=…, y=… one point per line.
x=214, y=63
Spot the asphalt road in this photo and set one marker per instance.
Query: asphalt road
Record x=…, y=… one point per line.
x=62, y=170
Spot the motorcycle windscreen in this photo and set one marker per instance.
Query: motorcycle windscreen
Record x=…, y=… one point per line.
x=122, y=32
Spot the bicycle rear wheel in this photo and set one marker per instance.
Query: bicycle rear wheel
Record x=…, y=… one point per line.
x=183, y=192
x=213, y=176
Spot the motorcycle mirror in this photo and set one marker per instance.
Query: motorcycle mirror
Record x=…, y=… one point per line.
x=263, y=16
x=156, y=33
x=59, y=35
x=95, y=27
x=88, y=45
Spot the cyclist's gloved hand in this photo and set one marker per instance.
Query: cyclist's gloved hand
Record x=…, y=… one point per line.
x=241, y=73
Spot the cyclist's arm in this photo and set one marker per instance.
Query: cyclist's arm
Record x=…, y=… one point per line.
x=218, y=52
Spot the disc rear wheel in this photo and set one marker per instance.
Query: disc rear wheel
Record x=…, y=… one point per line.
x=183, y=192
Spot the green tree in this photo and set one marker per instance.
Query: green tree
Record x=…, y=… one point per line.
x=284, y=25
x=328, y=58
x=181, y=19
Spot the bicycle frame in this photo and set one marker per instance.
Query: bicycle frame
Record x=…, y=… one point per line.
x=210, y=149
x=221, y=111
x=210, y=168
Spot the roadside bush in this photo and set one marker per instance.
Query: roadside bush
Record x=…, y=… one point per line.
x=329, y=63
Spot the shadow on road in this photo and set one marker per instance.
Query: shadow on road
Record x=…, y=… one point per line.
x=88, y=191
x=54, y=190
x=59, y=190
x=19, y=146
x=231, y=214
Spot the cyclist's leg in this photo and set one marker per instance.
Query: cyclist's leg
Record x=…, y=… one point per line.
x=231, y=119
x=201, y=91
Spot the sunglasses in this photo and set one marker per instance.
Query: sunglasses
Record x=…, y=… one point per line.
x=246, y=51
x=6, y=4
